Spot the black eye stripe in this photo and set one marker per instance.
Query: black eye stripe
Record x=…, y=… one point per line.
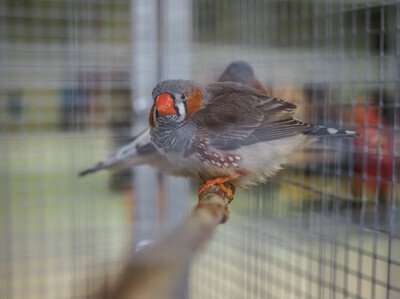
x=177, y=110
x=184, y=105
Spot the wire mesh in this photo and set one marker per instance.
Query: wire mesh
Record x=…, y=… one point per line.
x=327, y=226
x=61, y=63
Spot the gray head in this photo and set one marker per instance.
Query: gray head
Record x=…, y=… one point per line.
x=175, y=100
x=239, y=72
x=172, y=87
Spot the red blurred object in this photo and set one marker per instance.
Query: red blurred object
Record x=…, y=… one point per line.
x=374, y=152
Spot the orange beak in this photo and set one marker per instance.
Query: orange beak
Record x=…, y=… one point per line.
x=165, y=104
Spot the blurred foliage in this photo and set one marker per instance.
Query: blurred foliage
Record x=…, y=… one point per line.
x=303, y=24
x=59, y=21
x=42, y=191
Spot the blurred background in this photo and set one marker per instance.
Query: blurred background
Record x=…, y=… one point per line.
x=76, y=81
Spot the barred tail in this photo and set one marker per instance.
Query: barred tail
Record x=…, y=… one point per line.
x=321, y=131
x=97, y=167
x=137, y=152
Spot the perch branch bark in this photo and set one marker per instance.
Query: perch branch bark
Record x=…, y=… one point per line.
x=156, y=272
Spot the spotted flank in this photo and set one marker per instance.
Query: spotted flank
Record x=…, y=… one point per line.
x=227, y=160
x=328, y=131
x=209, y=157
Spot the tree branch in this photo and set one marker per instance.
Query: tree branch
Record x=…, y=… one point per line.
x=157, y=270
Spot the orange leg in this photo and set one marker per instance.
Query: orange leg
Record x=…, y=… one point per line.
x=220, y=182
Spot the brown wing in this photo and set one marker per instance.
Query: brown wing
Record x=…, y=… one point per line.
x=239, y=115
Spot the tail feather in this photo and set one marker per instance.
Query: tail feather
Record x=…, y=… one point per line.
x=97, y=167
x=321, y=131
x=137, y=152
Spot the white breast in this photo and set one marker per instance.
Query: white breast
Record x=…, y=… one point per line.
x=258, y=161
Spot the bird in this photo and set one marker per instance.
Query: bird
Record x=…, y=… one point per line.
x=227, y=132
x=241, y=72
x=141, y=151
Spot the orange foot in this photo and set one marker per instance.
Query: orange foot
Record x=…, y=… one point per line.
x=220, y=182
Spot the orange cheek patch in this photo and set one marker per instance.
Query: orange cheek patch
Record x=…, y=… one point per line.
x=193, y=103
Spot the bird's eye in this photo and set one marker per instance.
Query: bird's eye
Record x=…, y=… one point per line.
x=183, y=97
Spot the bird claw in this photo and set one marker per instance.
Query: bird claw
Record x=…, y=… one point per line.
x=229, y=191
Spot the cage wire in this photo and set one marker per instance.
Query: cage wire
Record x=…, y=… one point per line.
x=76, y=84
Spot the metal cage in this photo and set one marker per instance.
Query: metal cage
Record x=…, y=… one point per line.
x=76, y=84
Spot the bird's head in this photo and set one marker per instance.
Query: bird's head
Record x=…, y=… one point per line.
x=175, y=100
x=241, y=72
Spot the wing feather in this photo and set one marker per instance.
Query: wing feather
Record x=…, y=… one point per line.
x=239, y=115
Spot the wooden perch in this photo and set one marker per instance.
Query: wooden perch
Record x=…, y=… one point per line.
x=158, y=270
